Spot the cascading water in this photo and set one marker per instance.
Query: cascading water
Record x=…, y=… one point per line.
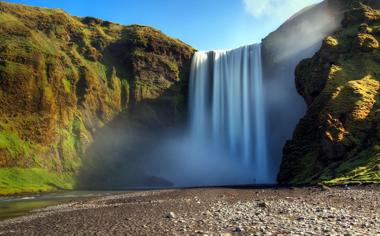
x=227, y=107
x=227, y=144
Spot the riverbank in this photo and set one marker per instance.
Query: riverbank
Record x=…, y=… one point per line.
x=215, y=211
x=19, y=181
x=21, y=205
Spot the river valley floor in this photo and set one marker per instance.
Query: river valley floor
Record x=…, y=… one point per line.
x=211, y=211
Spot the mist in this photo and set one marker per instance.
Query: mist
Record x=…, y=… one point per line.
x=298, y=38
x=301, y=35
x=132, y=156
x=128, y=154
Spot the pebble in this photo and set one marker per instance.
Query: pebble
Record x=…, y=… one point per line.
x=262, y=204
x=171, y=215
x=296, y=212
x=238, y=229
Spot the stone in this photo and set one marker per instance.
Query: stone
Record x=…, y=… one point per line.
x=171, y=215
x=238, y=229
x=324, y=188
x=262, y=205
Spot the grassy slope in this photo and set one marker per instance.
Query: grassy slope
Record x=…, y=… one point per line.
x=64, y=77
x=33, y=180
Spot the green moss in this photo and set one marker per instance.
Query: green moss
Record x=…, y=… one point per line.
x=64, y=77
x=341, y=86
x=138, y=52
x=19, y=152
x=362, y=169
x=13, y=144
x=304, y=169
x=41, y=42
x=15, y=70
x=172, y=66
x=33, y=180
x=331, y=41
x=8, y=18
x=344, y=36
x=71, y=145
x=66, y=85
x=124, y=93
x=367, y=42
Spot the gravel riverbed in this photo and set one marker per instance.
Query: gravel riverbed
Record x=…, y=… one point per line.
x=211, y=211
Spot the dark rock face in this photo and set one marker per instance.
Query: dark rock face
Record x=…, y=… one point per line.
x=337, y=140
x=62, y=78
x=298, y=38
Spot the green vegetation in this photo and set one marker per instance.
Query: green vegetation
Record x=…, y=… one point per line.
x=304, y=169
x=363, y=169
x=33, y=180
x=341, y=86
x=13, y=144
x=62, y=78
x=14, y=149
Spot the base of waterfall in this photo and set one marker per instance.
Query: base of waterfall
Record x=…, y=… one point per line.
x=211, y=211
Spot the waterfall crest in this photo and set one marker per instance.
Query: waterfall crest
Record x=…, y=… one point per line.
x=227, y=106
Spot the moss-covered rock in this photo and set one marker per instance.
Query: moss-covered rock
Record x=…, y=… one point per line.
x=366, y=42
x=63, y=77
x=337, y=140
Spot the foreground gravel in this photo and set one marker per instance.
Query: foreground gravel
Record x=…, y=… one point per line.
x=288, y=211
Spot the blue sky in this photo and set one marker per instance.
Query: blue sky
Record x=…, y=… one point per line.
x=204, y=24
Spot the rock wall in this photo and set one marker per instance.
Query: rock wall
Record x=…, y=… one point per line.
x=337, y=141
x=299, y=37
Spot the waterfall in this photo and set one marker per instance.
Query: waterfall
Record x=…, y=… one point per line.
x=227, y=106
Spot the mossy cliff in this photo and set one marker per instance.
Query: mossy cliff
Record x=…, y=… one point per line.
x=338, y=140
x=62, y=78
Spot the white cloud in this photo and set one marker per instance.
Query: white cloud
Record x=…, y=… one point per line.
x=276, y=8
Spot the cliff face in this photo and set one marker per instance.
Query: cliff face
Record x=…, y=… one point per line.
x=299, y=37
x=62, y=78
x=338, y=139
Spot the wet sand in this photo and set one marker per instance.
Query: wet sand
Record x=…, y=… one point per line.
x=20, y=205
x=211, y=211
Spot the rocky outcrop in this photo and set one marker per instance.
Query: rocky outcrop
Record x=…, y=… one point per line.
x=338, y=139
x=63, y=77
x=299, y=37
